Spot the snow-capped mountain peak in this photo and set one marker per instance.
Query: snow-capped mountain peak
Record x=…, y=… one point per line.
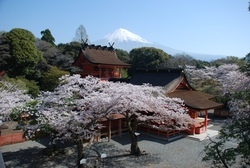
x=123, y=35
x=126, y=40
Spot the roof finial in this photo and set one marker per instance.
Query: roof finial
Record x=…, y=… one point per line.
x=85, y=44
x=111, y=48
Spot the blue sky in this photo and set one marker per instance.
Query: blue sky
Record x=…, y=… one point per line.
x=200, y=26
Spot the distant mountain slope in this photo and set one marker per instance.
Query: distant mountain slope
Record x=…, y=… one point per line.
x=126, y=40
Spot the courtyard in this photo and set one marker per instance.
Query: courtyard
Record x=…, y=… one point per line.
x=183, y=152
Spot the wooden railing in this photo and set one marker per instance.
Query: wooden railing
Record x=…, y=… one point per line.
x=159, y=132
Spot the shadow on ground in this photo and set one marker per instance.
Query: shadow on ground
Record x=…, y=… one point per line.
x=47, y=142
x=34, y=157
x=122, y=158
x=144, y=136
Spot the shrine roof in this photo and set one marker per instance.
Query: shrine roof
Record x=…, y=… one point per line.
x=97, y=54
x=195, y=99
x=170, y=80
x=155, y=77
x=113, y=117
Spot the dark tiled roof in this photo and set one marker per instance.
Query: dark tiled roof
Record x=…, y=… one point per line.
x=102, y=55
x=170, y=80
x=155, y=77
x=196, y=99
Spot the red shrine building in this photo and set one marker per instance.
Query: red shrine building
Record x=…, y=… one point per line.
x=102, y=62
x=176, y=85
x=99, y=61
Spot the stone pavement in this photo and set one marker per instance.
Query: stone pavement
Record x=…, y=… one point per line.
x=206, y=135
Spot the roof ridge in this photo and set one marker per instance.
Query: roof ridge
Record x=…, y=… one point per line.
x=93, y=46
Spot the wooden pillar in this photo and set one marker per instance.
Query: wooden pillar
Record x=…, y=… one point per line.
x=206, y=116
x=119, y=127
x=120, y=72
x=106, y=72
x=100, y=71
x=98, y=137
x=193, y=129
x=109, y=130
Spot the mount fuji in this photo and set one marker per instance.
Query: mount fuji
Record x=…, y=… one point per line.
x=126, y=40
x=123, y=35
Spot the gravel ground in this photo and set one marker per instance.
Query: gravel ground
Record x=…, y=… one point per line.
x=159, y=153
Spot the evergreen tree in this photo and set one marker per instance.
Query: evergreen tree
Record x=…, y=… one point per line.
x=47, y=36
x=23, y=56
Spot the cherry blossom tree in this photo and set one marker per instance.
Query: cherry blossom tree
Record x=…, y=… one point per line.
x=148, y=106
x=222, y=81
x=232, y=147
x=11, y=98
x=203, y=79
x=73, y=111
x=237, y=129
x=236, y=86
x=228, y=77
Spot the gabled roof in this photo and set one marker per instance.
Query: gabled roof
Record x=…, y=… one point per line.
x=176, y=85
x=196, y=99
x=97, y=54
x=155, y=77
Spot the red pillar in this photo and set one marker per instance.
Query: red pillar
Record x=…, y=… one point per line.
x=100, y=72
x=120, y=72
x=206, y=116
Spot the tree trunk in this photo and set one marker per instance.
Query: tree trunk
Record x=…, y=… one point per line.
x=134, y=148
x=131, y=123
x=79, y=153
